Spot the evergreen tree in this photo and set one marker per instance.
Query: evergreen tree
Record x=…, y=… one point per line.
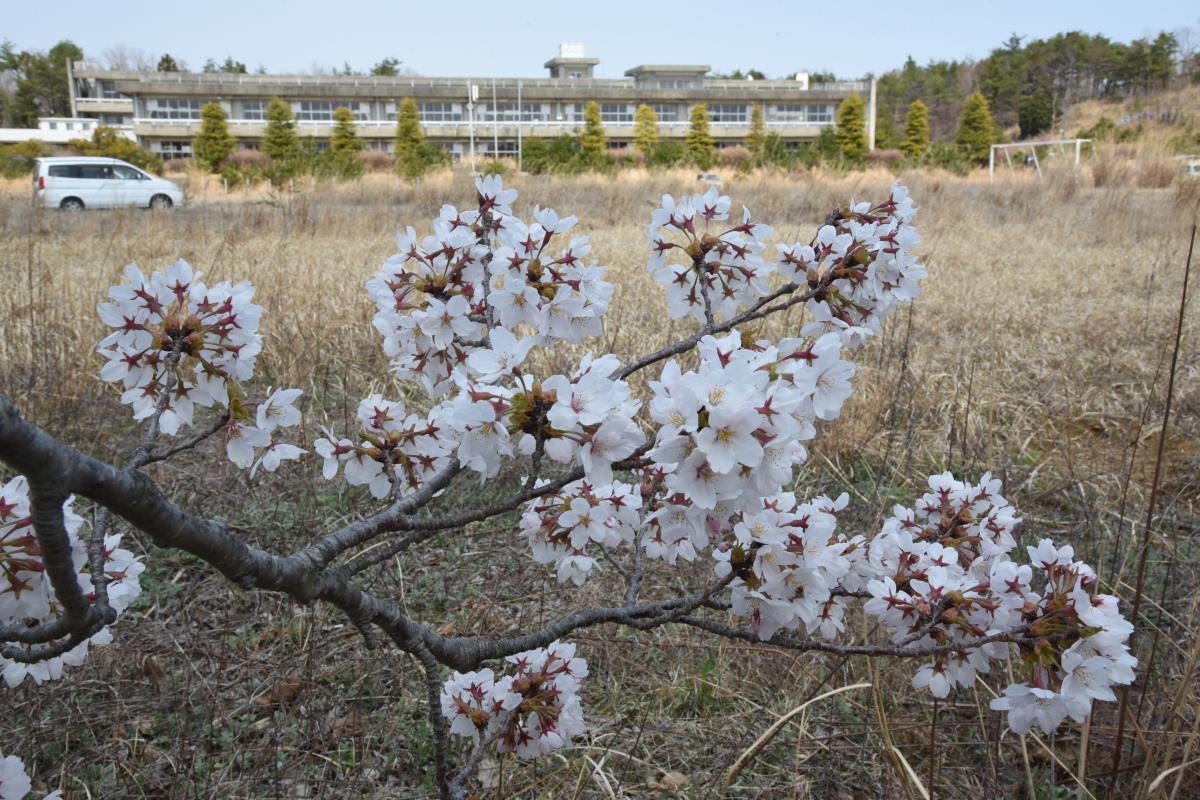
x=228, y=65
x=645, y=131
x=388, y=67
x=345, y=135
x=213, y=143
x=167, y=64
x=344, y=145
x=414, y=155
x=39, y=81
x=280, y=142
x=852, y=128
x=111, y=143
x=916, y=131
x=886, y=136
x=592, y=138
x=701, y=150
x=976, y=130
x=756, y=141
x=1035, y=114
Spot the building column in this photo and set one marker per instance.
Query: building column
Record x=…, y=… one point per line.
x=871, y=118
x=71, y=87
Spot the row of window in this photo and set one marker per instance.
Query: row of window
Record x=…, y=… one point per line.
x=304, y=110
x=486, y=147
x=441, y=111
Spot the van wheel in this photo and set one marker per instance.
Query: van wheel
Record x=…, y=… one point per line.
x=160, y=201
x=71, y=204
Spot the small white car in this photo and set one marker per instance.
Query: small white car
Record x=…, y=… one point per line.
x=74, y=183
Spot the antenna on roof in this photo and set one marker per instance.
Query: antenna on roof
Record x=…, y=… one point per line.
x=570, y=50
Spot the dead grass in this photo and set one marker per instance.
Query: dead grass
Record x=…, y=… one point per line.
x=1038, y=351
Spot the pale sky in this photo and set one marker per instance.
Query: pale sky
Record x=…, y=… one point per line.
x=514, y=39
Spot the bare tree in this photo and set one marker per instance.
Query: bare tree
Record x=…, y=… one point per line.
x=124, y=57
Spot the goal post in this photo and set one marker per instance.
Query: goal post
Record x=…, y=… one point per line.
x=1006, y=150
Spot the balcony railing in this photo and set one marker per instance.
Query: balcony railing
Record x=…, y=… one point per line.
x=398, y=86
x=103, y=101
x=483, y=126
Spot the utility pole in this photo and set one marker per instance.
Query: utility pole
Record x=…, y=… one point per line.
x=495, y=123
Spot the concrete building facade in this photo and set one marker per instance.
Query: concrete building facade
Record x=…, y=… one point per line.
x=465, y=115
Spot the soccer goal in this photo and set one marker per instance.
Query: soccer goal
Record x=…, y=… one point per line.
x=1061, y=146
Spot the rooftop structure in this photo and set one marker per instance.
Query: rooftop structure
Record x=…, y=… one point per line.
x=462, y=114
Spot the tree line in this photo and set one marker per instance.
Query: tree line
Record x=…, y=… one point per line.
x=1032, y=83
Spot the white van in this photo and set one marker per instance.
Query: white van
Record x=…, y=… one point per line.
x=74, y=183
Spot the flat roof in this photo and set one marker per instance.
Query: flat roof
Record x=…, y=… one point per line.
x=564, y=61
x=633, y=72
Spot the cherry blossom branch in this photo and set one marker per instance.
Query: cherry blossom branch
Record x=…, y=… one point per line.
x=354, y=534
x=437, y=722
x=187, y=444
x=141, y=456
x=456, y=788
x=702, y=282
x=1016, y=636
x=424, y=528
x=935, y=616
x=760, y=309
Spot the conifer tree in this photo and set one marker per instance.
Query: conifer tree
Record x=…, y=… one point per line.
x=414, y=155
x=916, y=131
x=213, y=143
x=886, y=135
x=645, y=131
x=344, y=140
x=976, y=129
x=280, y=141
x=756, y=141
x=592, y=138
x=852, y=129
x=701, y=150
x=344, y=145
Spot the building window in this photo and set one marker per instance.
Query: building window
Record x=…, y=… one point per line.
x=820, y=114
x=108, y=92
x=254, y=109
x=169, y=150
x=505, y=149
x=616, y=112
x=676, y=83
x=172, y=108
x=808, y=113
x=508, y=112
x=666, y=112
x=439, y=112
x=727, y=112
x=322, y=110
x=575, y=75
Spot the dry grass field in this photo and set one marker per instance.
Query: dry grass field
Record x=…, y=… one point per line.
x=1038, y=351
